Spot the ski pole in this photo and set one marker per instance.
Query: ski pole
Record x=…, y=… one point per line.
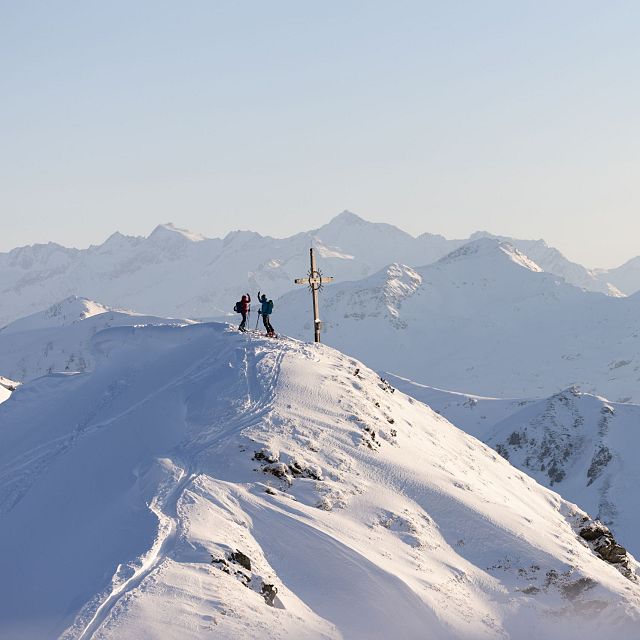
x=257, y=320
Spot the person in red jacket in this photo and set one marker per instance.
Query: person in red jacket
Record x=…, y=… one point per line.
x=245, y=307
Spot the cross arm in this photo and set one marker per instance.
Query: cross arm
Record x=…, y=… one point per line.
x=314, y=280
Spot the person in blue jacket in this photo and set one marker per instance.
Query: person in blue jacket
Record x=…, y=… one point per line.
x=265, y=310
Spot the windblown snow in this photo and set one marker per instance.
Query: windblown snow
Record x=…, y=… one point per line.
x=198, y=482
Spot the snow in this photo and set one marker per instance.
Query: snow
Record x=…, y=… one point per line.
x=7, y=386
x=170, y=233
x=58, y=339
x=552, y=261
x=583, y=446
x=179, y=273
x=4, y=394
x=487, y=248
x=372, y=516
x=61, y=314
x=625, y=277
x=484, y=319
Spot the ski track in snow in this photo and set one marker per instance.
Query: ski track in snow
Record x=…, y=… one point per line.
x=257, y=403
x=160, y=549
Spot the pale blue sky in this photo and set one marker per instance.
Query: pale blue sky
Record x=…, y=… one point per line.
x=519, y=117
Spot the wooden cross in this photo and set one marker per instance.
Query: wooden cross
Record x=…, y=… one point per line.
x=315, y=282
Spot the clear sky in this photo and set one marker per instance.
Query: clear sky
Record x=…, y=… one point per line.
x=514, y=116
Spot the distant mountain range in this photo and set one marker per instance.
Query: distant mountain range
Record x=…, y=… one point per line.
x=174, y=272
x=485, y=319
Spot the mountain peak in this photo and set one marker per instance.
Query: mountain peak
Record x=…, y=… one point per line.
x=348, y=217
x=478, y=235
x=169, y=232
x=66, y=312
x=492, y=248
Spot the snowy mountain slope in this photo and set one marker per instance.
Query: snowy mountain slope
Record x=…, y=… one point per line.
x=476, y=415
x=581, y=445
x=61, y=314
x=585, y=448
x=195, y=470
x=552, y=261
x=58, y=339
x=174, y=272
x=625, y=277
x=484, y=319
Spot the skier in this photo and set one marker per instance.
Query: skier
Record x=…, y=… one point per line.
x=266, y=310
x=243, y=307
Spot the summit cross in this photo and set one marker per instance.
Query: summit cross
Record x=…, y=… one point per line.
x=315, y=280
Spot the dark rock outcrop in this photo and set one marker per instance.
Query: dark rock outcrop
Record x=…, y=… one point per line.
x=269, y=592
x=599, y=537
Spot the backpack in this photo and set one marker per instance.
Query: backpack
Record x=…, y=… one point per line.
x=270, y=307
x=238, y=307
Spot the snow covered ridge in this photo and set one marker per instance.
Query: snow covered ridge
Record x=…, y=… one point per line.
x=581, y=445
x=552, y=261
x=203, y=481
x=63, y=313
x=58, y=339
x=487, y=246
x=174, y=272
x=484, y=319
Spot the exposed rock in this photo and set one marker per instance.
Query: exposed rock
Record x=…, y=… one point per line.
x=572, y=590
x=515, y=439
x=531, y=590
x=269, y=592
x=278, y=469
x=593, y=531
x=600, y=460
x=385, y=385
x=223, y=565
x=297, y=469
x=610, y=551
x=502, y=450
x=267, y=455
x=241, y=559
x=605, y=546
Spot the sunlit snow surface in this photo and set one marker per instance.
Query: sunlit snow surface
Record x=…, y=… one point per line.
x=581, y=445
x=119, y=485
